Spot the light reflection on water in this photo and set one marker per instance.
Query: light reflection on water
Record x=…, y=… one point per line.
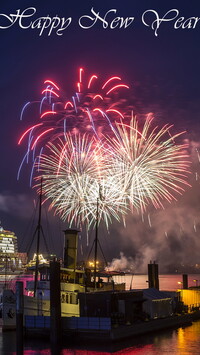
x=183, y=341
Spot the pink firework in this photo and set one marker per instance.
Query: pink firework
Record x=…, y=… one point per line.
x=92, y=109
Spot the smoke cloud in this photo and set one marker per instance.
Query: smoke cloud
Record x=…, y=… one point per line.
x=169, y=236
x=121, y=264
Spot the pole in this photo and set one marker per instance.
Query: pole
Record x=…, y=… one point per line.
x=96, y=243
x=55, y=305
x=38, y=240
x=19, y=317
x=6, y=266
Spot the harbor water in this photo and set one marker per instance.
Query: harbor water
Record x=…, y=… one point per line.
x=181, y=341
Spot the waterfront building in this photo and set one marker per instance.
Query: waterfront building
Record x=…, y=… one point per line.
x=10, y=259
x=190, y=298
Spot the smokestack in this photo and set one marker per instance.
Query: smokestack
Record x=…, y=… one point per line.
x=70, y=248
x=185, y=281
x=153, y=275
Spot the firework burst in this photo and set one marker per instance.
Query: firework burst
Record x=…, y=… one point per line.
x=93, y=109
x=151, y=165
x=86, y=111
x=76, y=173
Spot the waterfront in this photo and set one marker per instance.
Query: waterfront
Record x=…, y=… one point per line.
x=182, y=341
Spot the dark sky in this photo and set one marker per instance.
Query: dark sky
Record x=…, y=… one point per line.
x=163, y=73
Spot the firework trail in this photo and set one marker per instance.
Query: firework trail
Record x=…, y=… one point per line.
x=93, y=108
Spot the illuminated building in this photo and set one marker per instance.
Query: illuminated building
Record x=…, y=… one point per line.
x=9, y=256
x=190, y=298
x=41, y=259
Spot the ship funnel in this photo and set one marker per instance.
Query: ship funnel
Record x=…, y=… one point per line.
x=70, y=248
x=185, y=281
x=153, y=275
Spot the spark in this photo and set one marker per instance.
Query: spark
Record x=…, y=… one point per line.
x=20, y=167
x=41, y=103
x=149, y=219
x=195, y=227
x=28, y=130
x=68, y=103
x=116, y=111
x=117, y=87
x=23, y=109
x=78, y=97
x=50, y=91
x=42, y=134
x=198, y=155
x=97, y=96
x=74, y=101
x=109, y=80
x=80, y=74
x=79, y=87
x=48, y=113
x=52, y=83
x=91, y=79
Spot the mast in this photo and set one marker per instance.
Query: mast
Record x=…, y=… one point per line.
x=96, y=242
x=38, y=229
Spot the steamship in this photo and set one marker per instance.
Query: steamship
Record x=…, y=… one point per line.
x=73, y=282
x=90, y=307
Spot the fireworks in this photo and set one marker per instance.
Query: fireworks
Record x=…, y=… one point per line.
x=91, y=109
x=86, y=150
x=125, y=173
x=151, y=165
x=76, y=173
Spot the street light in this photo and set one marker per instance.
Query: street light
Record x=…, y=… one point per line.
x=196, y=282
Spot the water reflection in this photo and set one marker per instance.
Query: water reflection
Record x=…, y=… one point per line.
x=183, y=341
x=188, y=340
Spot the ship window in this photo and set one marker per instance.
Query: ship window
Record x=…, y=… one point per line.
x=67, y=298
x=63, y=298
x=74, y=299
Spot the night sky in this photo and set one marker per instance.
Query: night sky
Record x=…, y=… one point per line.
x=163, y=73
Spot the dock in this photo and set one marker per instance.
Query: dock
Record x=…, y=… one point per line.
x=98, y=327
